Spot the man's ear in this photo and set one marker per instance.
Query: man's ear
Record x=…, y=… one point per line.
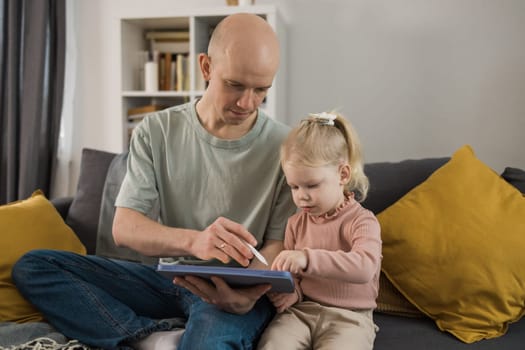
x=205, y=66
x=344, y=173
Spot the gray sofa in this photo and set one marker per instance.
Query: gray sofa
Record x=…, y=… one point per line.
x=389, y=182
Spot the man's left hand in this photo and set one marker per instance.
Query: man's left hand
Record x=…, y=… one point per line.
x=236, y=301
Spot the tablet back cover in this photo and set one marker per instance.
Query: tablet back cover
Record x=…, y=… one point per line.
x=281, y=281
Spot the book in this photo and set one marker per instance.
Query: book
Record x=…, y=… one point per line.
x=281, y=281
x=173, y=73
x=162, y=70
x=171, y=46
x=144, y=109
x=183, y=79
x=167, y=72
x=171, y=35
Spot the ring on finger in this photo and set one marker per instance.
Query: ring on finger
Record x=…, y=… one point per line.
x=222, y=245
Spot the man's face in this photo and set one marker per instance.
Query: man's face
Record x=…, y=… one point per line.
x=238, y=86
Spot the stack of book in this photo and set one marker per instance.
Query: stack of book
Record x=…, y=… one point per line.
x=171, y=51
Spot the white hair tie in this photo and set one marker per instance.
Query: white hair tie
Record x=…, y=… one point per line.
x=324, y=118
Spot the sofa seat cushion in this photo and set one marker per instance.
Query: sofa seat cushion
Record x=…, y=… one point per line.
x=406, y=333
x=453, y=246
x=25, y=225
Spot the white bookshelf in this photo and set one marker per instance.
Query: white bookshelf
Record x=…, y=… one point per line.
x=199, y=23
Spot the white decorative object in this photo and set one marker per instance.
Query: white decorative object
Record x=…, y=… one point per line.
x=151, y=76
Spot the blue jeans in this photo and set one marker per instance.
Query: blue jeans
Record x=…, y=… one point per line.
x=111, y=303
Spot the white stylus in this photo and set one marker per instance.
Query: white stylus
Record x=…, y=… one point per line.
x=256, y=253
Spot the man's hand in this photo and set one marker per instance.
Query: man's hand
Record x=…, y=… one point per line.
x=236, y=301
x=283, y=301
x=223, y=240
x=294, y=261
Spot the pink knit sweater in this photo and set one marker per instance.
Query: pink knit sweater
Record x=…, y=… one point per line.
x=344, y=255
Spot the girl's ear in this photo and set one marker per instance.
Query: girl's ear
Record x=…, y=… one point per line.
x=205, y=63
x=344, y=173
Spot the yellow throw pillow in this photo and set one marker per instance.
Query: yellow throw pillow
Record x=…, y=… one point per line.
x=391, y=301
x=453, y=246
x=25, y=225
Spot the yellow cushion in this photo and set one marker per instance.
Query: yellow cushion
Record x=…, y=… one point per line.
x=454, y=247
x=391, y=301
x=25, y=225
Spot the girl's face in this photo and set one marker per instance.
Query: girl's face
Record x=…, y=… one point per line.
x=317, y=190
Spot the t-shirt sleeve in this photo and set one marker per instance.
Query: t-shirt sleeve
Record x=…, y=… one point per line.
x=139, y=190
x=283, y=208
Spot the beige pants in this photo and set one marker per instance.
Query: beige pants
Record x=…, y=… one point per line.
x=309, y=325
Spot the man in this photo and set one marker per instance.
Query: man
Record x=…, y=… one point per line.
x=213, y=168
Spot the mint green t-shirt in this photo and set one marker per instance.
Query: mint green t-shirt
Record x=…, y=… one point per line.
x=195, y=177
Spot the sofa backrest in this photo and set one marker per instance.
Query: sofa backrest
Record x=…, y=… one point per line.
x=389, y=181
x=101, y=173
x=84, y=211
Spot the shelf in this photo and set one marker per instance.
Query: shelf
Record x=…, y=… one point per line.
x=199, y=24
x=140, y=93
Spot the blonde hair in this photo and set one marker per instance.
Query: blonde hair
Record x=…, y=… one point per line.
x=318, y=141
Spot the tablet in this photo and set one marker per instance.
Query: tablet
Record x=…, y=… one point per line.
x=281, y=281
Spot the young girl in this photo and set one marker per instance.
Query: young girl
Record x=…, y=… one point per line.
x=332, y=245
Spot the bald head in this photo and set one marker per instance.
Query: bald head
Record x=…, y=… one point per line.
x=245, y=35
x=241, y=64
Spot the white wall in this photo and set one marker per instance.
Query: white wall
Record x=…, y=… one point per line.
x=417, y=78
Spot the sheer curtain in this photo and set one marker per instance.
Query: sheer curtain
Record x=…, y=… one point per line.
x=32, y=50
x=62, y=185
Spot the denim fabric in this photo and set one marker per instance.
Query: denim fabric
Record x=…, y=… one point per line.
x=110, y=303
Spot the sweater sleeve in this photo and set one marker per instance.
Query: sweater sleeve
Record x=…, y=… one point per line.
x=360, y=263
x=289, y=234
x=289, y=244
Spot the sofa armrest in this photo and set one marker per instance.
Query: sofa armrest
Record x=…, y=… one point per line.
x=62, y=205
